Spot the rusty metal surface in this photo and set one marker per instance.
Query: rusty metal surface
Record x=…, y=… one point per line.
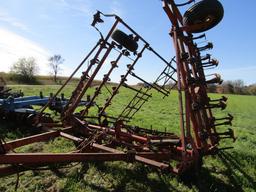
x=40, y=158
x=190, y=69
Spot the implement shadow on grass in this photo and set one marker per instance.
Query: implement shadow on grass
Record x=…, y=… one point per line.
x=234, y=166
x=136, y=179
x=10, y=128
x=206, y=181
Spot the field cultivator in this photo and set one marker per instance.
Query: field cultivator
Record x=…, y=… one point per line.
x=101, y=136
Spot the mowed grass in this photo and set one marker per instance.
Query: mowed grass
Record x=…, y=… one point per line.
x=231, y=170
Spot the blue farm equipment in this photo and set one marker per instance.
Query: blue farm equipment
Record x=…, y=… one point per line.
x=21, y=108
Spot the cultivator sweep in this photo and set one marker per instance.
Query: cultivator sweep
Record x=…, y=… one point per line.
x=101, y=136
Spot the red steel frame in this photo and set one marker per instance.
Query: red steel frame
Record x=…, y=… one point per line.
x=198, y=133
x=195, y=92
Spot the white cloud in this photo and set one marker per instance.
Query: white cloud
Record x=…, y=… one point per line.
x=14, y=46
x=5, y=17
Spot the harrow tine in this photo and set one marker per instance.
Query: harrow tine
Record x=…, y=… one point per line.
x=206, y=47
x=136, y=90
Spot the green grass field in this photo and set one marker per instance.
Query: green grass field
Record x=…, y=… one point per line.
x=231, y=170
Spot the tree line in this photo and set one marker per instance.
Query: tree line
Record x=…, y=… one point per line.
x=233, y=87
x=26, y=69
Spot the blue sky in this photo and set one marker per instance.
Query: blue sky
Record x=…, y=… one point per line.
x=41, y=28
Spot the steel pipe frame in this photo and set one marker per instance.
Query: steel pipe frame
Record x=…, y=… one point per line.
x=52, y=158
x=160, y=155
x=180, y=151
x=70, y=108
x=144, y=158
x=175, y=18
x=178, y=38
x=138, y=100
x=204, y=114
x=144, y=41
x=200, y=120
x=139, y=55
x=111, y=154
x=42, y=158
x=105, y=79
x=151, y=158
x=145, y=140
x=154, y=85
x=11, y=145
x=134, y=62
x=68, y=80
x=63, y=133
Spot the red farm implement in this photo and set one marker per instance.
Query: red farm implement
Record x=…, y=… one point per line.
x=102, y=137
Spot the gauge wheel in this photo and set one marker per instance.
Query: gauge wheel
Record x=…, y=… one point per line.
x=204, y=15
x=125, y=40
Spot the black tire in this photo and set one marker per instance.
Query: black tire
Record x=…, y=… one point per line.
x=125, y=40
x=206, y=14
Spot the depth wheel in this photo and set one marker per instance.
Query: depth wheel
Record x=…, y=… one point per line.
x=125, y=40
x=204, y=15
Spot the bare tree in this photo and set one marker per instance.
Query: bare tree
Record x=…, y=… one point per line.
x=252, y=89
x=239, y=86
x=228, y=87
x=55, y=63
